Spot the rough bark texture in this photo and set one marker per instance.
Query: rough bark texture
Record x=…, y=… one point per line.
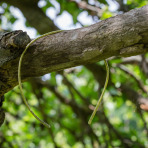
x=123, y=35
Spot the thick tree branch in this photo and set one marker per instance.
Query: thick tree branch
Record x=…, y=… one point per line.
x=34, y=15
x=123, y=35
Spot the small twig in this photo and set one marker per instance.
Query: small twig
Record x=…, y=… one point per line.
x=19, y=76
x=126, y=70
x=101, y=97
x=84, y=5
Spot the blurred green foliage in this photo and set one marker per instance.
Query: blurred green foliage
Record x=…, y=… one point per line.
x=67, y=98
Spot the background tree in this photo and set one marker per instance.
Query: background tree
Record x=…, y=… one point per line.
x=66, y=99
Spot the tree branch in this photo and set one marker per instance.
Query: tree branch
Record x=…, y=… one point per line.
x=34, y=15
x=123, y=35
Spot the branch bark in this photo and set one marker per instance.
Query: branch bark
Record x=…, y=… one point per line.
x=123, y=35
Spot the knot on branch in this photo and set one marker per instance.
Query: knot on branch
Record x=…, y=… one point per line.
x=12, y=44
x=15, y=39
